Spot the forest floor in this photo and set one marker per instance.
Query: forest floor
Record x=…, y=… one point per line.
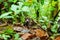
x=28, y=32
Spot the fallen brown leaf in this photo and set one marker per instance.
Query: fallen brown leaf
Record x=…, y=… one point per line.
x=26, y=36
x=42, y=34
x=18, y=29
x=57, y=38
x=4, y=24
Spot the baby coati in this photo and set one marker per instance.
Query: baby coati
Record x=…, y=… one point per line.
x=29, y=22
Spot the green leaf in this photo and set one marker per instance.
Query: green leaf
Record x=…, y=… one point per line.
x=54, y=28
x=5, y=14
x=14, y=7
x=17, y=37
x=20, y=4
x=12, y=1
x=9, y=31
x=5, y=37
x=1, y=1
x=25, y=9
x=42, y=2
x=5, y=4
x=8, y=17
x=44, y=27
x=26, y=4
x=20, y=38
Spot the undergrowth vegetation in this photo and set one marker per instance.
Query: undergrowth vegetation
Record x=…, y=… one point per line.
x=43, y=12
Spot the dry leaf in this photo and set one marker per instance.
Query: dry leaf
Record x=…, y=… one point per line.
x=57, y=38
x=26, y=36
x=18, y=29
x=41, y=33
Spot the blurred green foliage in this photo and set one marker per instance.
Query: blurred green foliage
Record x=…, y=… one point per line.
x=18, y=10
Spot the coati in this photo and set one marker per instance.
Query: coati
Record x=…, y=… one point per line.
x=29, y=22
